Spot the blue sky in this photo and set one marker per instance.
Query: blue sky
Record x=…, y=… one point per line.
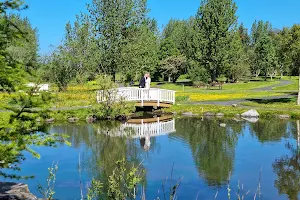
x=50, y=16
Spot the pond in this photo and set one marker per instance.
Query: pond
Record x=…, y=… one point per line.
x=261, y=157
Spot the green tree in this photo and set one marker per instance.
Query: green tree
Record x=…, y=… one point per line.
x=140, y=54
x=214, y=21
x=197, y=73
x=265, y=56
x=239, y=67
x=24, y=49
x=181, y=33
x=295, y=52
x=11, y=71
x=283, y=39
x=59, y=70
x=243, y=33
x=81, y=48
x=113, y=22
x=173, y=67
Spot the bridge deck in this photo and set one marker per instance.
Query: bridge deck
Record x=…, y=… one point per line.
x=153, y=97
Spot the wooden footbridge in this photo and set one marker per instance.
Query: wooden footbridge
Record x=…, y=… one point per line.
x=153, y=97
x=143, y=128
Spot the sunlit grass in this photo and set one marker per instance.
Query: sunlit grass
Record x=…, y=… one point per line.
x=291, y=87
x=287, y=103
x=226, y=86
x=230, y=111
x=226, y=96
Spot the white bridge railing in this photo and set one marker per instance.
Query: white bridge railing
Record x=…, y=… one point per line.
x=142, y=130
x=140, y=95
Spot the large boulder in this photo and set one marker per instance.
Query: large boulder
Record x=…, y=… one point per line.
x=250, y=114
x=15, y=191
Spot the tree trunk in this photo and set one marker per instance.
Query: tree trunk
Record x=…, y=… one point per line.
x=298, y=102
x=298, y=134
x=169, y=79
x=266, y=76
x=214, y=76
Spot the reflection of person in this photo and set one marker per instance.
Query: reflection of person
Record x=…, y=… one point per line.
x=145, y=143
x=143, y=81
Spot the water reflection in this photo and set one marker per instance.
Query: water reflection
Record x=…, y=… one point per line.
x=287, y=167
x=270, y=130
x=202, y=151
x=212, y=146
x=143, y=129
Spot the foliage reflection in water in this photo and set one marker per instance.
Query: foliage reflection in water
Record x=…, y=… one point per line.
x=203, y=153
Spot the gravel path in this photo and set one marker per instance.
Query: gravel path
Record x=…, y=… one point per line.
x=282, y=83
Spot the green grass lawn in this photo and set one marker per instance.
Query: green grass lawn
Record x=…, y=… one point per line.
x=287, y=103
x=230, y=111
x=226, y=86
x=291, y=87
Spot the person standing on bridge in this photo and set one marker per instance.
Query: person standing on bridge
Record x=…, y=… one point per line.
x=148, y=81
x=143, y=81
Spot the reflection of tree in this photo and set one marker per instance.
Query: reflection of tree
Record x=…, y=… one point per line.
x=269, y=130
x=213, y=147
x=287, y=169
x=103, y=151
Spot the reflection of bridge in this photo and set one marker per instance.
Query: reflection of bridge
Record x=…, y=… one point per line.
x=143, y=97
x=141, y=128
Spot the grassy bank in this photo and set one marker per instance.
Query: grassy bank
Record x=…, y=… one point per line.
x=230, y=111
x=79, y=101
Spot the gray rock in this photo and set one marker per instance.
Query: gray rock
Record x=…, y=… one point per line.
x=250, y=114
x=51, y=120
x=209, y=114
x=284, y=116
x=237, y=119
x=91, y=119
x=234, y=105
x=73, y=119
x=189, y=114
x=238, y=116
x=15, y=191
x=222, y=125
x=220, y=115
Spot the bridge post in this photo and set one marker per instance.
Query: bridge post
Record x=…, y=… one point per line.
x=158, y=97
x=142, y=97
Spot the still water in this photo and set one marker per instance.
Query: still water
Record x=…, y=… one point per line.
x=201, y=152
